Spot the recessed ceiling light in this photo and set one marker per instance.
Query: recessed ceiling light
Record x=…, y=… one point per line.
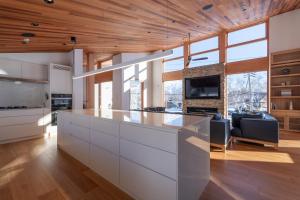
x=49, y=1
x=26, y=40
x=35, y=24
x=28, y=34
x=207, y=7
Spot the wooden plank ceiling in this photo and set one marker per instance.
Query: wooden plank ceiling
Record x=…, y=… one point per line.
x=113, y=26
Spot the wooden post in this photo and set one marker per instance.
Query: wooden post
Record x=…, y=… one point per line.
x=90, y=81
x=222, y=46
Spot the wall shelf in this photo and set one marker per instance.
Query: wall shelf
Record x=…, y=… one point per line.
x=289, y=120
x=285, y=97
x=285, y=76
x=284, y=86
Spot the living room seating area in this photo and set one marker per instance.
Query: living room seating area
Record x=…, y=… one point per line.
x=259, y=128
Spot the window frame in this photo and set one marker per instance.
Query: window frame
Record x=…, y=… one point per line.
x=252, y=41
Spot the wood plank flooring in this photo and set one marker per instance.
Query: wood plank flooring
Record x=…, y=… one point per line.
x=36, y=170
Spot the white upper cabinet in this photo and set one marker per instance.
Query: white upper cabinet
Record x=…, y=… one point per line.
x=10, y=68
x=61, y=79
x=25, y=70
x=34, y=71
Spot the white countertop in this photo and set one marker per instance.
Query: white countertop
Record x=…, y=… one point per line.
x=174, y=121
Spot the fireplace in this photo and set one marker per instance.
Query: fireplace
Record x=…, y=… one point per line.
x=201, y=110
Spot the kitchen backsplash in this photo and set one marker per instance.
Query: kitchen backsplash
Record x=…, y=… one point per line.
x=21, y=94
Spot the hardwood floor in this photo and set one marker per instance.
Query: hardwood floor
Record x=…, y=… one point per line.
x=36, y=170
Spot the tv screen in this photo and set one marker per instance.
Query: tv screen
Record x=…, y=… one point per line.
x=207, y=87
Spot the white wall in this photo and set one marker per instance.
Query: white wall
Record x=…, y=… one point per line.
x=157, y=84
x=78, y=84
x=62, y=58
x=285, y=31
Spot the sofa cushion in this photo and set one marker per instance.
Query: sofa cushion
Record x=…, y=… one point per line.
x=236, y=117
x=217, y=116
x=236, y=132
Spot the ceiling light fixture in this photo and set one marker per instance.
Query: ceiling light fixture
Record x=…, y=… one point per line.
x=49, y=1
x=207, y=7
x=155, y=56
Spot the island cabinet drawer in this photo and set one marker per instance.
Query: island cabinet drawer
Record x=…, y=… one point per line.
x=79, y=149
x=80, y=132
x=151, y=137
x=159, y=161
x=80, y=120
x=105, y=126
x=105, y=164
x=145, y=184
x=105, y=141
x=37, y=120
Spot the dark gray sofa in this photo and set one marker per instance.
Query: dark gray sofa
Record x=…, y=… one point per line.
x=219, y=133
x=259, y=128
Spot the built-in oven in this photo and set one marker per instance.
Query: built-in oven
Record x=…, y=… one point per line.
x=60, y=102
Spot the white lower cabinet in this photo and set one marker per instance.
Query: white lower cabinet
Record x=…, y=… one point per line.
x=144, y=168
x=159, y=161
x=105, y=141
x=105, y=164
x=144, y=183
x=15, y=132
x=80, y=150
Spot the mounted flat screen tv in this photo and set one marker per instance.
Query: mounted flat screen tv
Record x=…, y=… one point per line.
x=207, y=87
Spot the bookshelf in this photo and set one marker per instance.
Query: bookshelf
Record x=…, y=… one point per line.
x=285, y=89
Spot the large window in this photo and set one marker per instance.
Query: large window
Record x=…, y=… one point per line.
x=174, y=62
x=248, y=43
x=135, y=95
x=173, y=95
x=106, y=95
x=247, y=92
x=205, y=52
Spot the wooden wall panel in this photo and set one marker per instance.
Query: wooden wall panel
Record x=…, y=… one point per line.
x=170, y=76
x=104, y=77
x=260, y=64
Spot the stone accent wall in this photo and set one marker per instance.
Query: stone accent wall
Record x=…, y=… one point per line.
x=218, y=69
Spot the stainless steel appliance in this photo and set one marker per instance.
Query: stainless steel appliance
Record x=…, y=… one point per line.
x=60, y=102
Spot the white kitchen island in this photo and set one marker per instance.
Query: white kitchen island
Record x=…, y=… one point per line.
x=151, y=156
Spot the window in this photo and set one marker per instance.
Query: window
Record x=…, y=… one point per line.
x=174, y=62
x=204, y=45
x=173, y=95
x=248, y=51
x=135, y=95
x=247, y=92
x=208, y=59
x=106, y=95
x=248, y=43
x=247, y=34
x=173, y=65
x=205, y=52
